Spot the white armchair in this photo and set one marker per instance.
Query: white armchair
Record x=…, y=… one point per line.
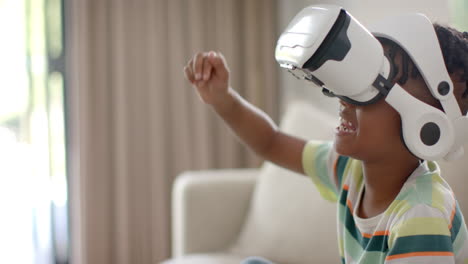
x=223, y=216
x=208, y=210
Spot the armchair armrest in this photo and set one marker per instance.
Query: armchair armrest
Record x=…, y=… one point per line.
x=208, y=209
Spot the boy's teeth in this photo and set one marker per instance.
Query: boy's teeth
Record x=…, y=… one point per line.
x=343, y=127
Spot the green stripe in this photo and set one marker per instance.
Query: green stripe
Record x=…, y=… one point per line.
x=421, y=243
x=348, y=220
x=340, y=167
x=353, y=248
x=378, y=243
x=373, y=257
x=375, y=243
x=460, y=240
x=456, y=223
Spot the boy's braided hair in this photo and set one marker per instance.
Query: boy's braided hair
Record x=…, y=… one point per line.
x=454, y=46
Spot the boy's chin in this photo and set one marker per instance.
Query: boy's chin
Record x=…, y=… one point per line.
x=343, y=149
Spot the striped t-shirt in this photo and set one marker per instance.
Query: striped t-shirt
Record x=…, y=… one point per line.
x=422, y=225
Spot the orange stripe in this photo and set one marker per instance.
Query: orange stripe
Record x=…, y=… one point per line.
x=335, y=165
x=452, y=215
x=350, y=205
x=345, y=187
x=377, y=233
x=382, y=233
x=419, y=254
x=335, y=171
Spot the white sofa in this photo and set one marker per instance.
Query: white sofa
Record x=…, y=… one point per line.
x=223, y=216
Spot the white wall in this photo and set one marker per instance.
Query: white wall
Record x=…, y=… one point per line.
x=367, y=12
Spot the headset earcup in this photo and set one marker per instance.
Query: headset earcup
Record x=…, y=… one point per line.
x=427, y=132
x=429, y=136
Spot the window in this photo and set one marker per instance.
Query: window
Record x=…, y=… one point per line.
x=459, y=9
x=33, y=183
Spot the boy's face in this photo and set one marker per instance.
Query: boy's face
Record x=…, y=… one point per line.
x=373, y=132
x=369, y=132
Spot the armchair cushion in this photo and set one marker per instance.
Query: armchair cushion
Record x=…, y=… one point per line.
x=208, y=209
x=212, y=258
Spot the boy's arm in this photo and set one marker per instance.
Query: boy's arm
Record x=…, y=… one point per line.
x=209, y=74
x=259, y=132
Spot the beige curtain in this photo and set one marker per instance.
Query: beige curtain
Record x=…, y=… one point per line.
x=134, y=123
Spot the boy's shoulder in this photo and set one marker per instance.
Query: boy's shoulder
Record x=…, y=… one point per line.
x=426, y=213
x=426, y=192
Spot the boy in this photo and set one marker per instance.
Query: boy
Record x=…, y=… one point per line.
x=393, y=207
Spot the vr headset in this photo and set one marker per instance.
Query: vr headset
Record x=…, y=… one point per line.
x=324, y=44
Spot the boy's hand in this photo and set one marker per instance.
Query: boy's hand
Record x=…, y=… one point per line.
x=209, y=73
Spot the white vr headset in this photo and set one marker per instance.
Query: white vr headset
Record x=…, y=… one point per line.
x=326, y=45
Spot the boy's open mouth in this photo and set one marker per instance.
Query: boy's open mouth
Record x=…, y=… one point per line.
x=345, y=126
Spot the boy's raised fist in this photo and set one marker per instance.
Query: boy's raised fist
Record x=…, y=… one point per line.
x=209, y=74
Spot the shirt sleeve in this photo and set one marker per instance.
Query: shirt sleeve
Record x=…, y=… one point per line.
x=325, y=167
x=421, y=235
